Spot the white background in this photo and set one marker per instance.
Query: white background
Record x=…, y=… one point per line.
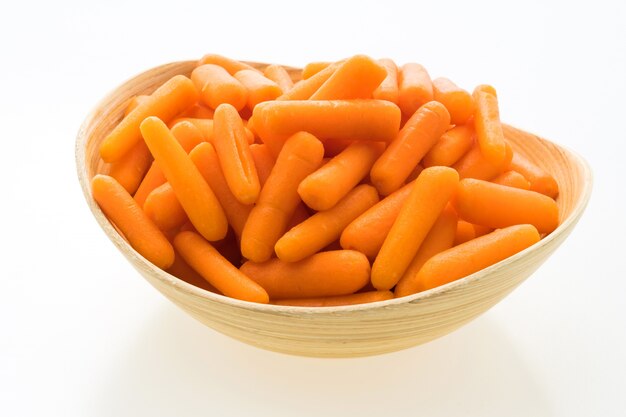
x=81, y=334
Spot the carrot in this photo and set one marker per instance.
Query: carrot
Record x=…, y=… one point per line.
x=481, y=230
x=450, y=147
x=205, y=126
x=325, y=187
x=304, y=89
x=415, y=173
x=540, y=181
x=181, y=270
x=324, y=227
x=198, y=111
x=280, y=76
x=174, y=96
x=263, y=161
x=217, y=270
x=464, y=231
x=300, y=156
x=498, y=206
x=140, y=232
x=475, y=255
x=512, y=179
x=324, y=274
x=375, y=120
x=217, y=86
x=234, y=155
x=153, y=178
x=388, y=89
x=430, y=193
x=474, y=164
x=489, y=134
x=414, y=88
x=415, y=139
x=260, y=88
x=367, y=232
x=338, y=300
x=131, y=169
x=459, y=102
x=134, y=102
x=439, y=238
x=207, y=161
x=164, y=209
x=230, y=65
x=357, y=77
x=192, y=191
x=313, y=68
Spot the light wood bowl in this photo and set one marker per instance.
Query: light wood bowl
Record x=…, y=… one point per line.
x=346, y=331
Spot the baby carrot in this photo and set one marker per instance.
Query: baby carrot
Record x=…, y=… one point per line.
x=174, y=96
x=153, y=178
x=475, y=255
x=450, y=147
x=134, y=102
x=474, y=164
x=512, y=179
x=388, y=89
x=260, y=88
x=459, y=102
x=414, y=88
x=164, y=209
x=430, y=192
x=367, y=232
x=230, y=65
x=122, y=210
x=192, y=191
x=234, y=154
x=338, y=300
x=304, y=89
x=324, y=274
x=198, y=111
x=181, y=270
x=415, y=173
x=205, y=126
x=415, y=139
x=130, y=170
x=217, y=270
x=263, y=161
x=207, y=161
x=357, y=77
x=540, y=181
x=464, y=231
x=217, y=86
x=489, y=134
x=313, y=68
x=300, y=156
x=325, y=187
x=324, y=227
x=439, y=238
x=481, y=230
x=498, y=206
x=280, y=76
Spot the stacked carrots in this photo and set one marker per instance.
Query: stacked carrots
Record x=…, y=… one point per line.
x=361, y=182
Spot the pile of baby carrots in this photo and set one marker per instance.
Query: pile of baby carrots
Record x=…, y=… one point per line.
x=361, y=182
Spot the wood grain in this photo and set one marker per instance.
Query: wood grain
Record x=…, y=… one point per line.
x=346, y=331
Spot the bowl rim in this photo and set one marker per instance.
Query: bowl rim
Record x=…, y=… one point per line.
x=166, y=278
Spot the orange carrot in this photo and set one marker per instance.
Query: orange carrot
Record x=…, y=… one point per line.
x=234, y=155
x=464, y=231
x=540, y=181
x=325, y=187
x=512, y=179
x=338, y=300
x=324, y=274
x=181, y=270
x=313, y=68
x=367, y=232
x=260, y=88
x=415, y=139
x=164, y=209
x=430, y=192
x=304, y=89
x=280, y=76
x=388, y=89
x=140, y=232
x=263, y=161
x=415, y=173
x=217, y=270
x=414, y=88
x=489, y=134
x=207, y=161
x=174, y=96
x=439, y=238
x=357, y=77
x=450, y=147
x=300, y=156
x=481, y=230
x=475, y=255
x=498, y=206
x=192, y=191
x=205, y=126
x=324, y=227
x=134, y=102
x=474, y=164
x=153, y=178
x=230, y=65
x=459, y=102
x=217, y=86
x=198, y=111
x=131, y=169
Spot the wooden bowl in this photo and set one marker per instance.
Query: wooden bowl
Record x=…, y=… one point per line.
x=345, y=331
